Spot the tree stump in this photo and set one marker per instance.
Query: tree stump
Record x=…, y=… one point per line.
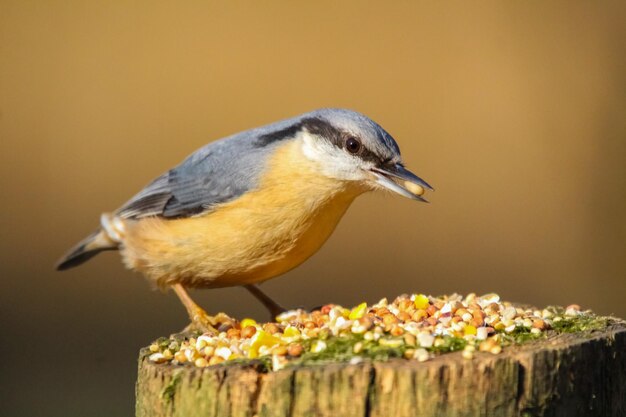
x=579, y=374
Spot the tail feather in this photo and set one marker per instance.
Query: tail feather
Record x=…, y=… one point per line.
x=86, y=249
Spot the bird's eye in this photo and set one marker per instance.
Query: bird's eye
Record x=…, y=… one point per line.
x=353, y=145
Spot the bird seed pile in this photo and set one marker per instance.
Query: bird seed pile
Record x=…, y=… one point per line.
x=416, y=327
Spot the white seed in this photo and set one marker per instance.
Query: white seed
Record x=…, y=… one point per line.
x=509, y=313
x=223, y=352
x=447, y=308
x=421, y=355
x=340, y=324
x=414, y=188
x=425, y=339
x=157, y=357
x=318, y=346
x=482, y=333
x=487, y=299
x=356, y=360
x=278, y=362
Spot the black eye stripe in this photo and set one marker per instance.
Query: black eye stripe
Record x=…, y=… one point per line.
x=337, y=137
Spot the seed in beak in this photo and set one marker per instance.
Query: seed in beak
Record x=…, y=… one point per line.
x=414, y=188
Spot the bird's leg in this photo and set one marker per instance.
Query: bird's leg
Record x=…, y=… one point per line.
x=272, y=306
x=200, y=320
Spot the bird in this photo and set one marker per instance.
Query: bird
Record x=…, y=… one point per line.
x=251, y=206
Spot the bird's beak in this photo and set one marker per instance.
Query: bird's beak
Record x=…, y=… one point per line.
x=402, y=181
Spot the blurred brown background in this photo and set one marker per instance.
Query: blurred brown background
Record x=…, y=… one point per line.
x=516, y=113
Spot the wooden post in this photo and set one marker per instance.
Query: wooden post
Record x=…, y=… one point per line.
x=581, y=374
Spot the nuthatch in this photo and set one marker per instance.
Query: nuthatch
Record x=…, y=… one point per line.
x=251, y=206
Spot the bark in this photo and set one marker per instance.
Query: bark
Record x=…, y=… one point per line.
x=566, y=375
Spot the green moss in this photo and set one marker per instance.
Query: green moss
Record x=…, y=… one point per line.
x=450, y=344
x=341, y=349
x=262, y=365
x=584, y=322
x=167, y=395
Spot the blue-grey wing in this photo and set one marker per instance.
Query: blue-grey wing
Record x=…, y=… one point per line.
x=217, y=173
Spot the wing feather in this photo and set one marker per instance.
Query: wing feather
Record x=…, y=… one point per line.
x=219, y=172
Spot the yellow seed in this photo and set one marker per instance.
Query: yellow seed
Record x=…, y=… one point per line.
x=409, y=353
x=154, y=347
x=247, y=322
x=421, y=301
x=469, y=329
x=215, y=360
x=201, y=363
x=414, y=188
x=280, y=350
x=261, y=339
x=253, y=354
x=358, y=311
x=409, y=339
x=291, y=332
x=487, y=345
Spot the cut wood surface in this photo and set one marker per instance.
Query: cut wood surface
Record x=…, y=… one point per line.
x=578, y=374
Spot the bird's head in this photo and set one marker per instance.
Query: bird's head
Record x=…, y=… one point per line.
x=351, y=147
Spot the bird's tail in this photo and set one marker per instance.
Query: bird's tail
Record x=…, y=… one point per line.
x=86, y=249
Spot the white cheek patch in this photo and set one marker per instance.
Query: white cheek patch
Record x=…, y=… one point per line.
x=333, y=162
x=315, y=149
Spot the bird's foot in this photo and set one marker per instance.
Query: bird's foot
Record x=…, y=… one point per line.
x=203, y=322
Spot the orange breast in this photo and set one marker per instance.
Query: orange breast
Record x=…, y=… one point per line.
x=260, y=235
